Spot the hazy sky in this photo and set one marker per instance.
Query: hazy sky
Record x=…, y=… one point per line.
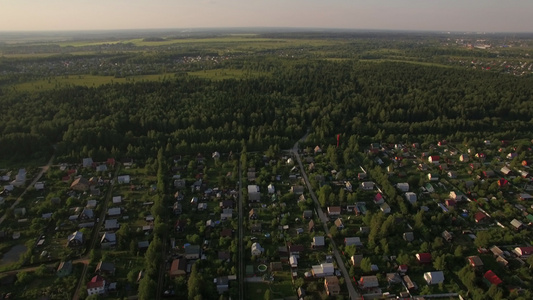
x=446, y=15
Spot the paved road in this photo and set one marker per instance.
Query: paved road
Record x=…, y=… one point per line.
x=324, y=220
x=35, y=180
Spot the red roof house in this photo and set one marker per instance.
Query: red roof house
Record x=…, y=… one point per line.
x=423, y=258
x=480, y=216
x=492, y=278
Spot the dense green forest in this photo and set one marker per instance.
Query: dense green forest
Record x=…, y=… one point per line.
x=385, y=101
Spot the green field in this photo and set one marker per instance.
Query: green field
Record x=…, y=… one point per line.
x=84, y=80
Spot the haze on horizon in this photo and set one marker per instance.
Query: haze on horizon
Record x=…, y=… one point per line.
x=434, y=15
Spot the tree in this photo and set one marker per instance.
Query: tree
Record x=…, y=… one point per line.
x=366, y=265
x=195, y=283
x=440, y=263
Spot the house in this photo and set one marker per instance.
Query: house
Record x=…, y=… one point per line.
x=91, y=204
x=505, y=170
x=64, y=269
x=475, y=262
x=108, y=239
x=107, y=268
x=450, y=204
x=38, y=186
x=87, y=162
x=408, y=236
x=378, y=199
x=517, y=224
x=253, y=193
x=491, y=279
x=114, y=211
x=318, y=242
x=385, y=208
x=356, y=260
x=271, y=189
x=464, y=158
x=368, y=282
x=75, y=239
x=502, y=182
x=353, y=241
x=339, y=224
x=525, y=196
x=403, y=186
x=447, y=236
x=334, y=211
x=293, y=261
x=192, y=252
x=111, y=224
x=402, y=269
x=457, y=196
x=178, y=268
x=423, y=258
x=80, y=184
x=86, y=214
x=297, y=190
x=227, y=213
x=480, y=217
x=257, y=250
x=222, y=283
x=96, y=286
x=434, y=277
x=496, y=251
x=307, y=214
x=123, y=179
x=411, y=197
x=433, y=176
x=429, y=188
x=523, y=252
x=323, y=270
x=367, y=185
x=331, y=285
x=452, y=174
x=434, y=159
x=101, y=168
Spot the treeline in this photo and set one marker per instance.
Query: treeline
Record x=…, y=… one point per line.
x=380, y=101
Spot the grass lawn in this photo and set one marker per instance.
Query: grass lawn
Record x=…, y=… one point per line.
x=84, y=80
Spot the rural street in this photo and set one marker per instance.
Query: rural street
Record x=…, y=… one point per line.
x=323, y=219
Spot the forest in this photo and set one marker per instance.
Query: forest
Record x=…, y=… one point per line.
x=385, y=101
x=223, y=93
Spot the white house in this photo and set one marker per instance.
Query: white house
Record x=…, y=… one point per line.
x=271, y=189
x=257, y=249
x=96, y=285
x=323, y=270
x=434, y=277
x=293, y=260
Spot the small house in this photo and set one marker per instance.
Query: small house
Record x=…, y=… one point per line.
x=423, y=258
x=257, y=250
x=434, y=277
x=64, y=269
x=178, y=268
x=96, y=285
x=331, y=285
x=75, y=239
x=368, y=282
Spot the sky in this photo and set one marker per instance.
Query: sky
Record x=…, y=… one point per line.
x=434, y=15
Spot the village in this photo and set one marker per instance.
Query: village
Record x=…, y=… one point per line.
x=407, y=220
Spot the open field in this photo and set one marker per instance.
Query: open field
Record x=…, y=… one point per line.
x=84, y=80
